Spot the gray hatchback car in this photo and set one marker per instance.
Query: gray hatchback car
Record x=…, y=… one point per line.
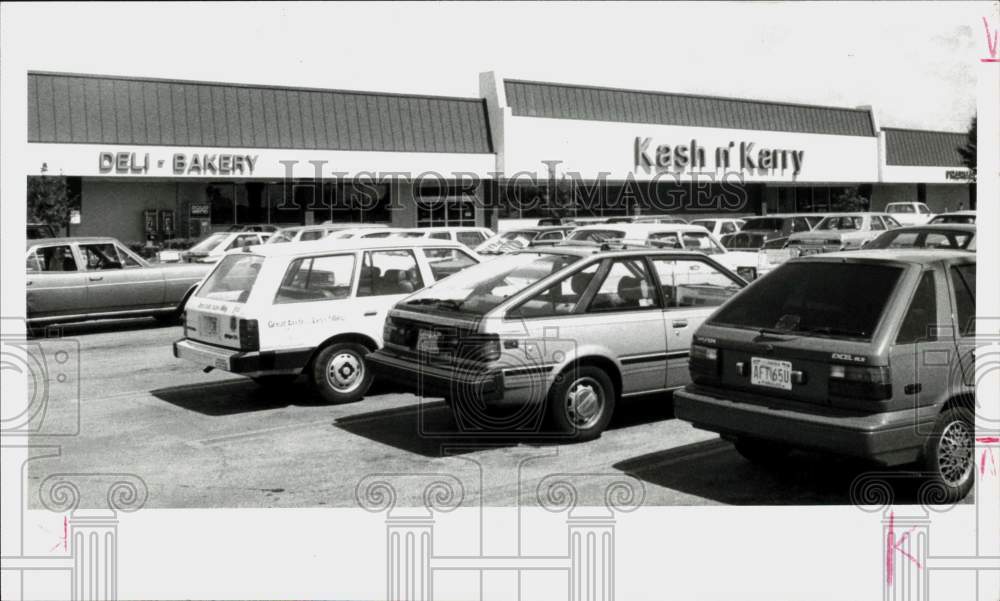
x=866, y=353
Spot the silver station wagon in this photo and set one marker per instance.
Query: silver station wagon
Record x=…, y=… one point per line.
x=560, y=332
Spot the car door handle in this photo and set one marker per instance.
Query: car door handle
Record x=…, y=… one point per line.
x=679, y=324
x=28, y=283
x=96, y=278
x=371, y=313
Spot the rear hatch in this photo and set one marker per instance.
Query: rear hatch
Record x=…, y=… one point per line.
x=816, y=241
x=216, y=313
x=751, y=240
x=433, y=338
x=805, y=334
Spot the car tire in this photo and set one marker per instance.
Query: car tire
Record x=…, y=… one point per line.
x=339, y=372
x=948, y=458
x=581, y=402
x=762, y=452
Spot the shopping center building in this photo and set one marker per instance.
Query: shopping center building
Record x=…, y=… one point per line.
x=175, y=158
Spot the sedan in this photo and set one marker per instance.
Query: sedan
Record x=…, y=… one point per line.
x=75, y=279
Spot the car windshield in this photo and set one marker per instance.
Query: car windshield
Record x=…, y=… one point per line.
x=816, y=298
x=232, y=279
x=841, y=222
x=900, y=209
x=765, y=223
x=597, y=235
x=922, y=239
x=480, y=288
x=209, y=244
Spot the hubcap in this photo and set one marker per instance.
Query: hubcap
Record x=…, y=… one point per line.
x=955, y=453
x=584, y=402
x=345, y=371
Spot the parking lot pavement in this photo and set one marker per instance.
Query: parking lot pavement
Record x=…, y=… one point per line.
x=217, y=440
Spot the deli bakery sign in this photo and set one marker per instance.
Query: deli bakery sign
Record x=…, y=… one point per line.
x=178, y=163
x=735, y=156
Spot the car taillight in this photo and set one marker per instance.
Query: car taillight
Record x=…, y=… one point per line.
x=703, y=362
x=480, y=348
x=853, y=381
x=249, y=335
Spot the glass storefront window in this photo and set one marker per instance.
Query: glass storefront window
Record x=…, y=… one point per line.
x=220, y=198
x=439, y=212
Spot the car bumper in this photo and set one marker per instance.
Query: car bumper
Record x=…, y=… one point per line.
x=250, y=364
x=889, y=438
x=450, y=382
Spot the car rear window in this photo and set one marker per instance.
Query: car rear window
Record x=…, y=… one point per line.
x=772, y=223
x=233, y=278
x=817, y=298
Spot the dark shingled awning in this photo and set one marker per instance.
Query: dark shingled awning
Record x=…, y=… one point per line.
x=921, y=148
x=91, y=109
x=559, y=101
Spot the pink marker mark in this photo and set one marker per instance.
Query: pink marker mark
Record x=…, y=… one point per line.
x=895, y=545
x=988, y=439
x=982, y=463
x=65, y=537
x=991, y=43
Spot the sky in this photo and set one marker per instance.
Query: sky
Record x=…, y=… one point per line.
x=914, y=62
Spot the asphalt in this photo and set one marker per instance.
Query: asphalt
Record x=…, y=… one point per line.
x=217, y=440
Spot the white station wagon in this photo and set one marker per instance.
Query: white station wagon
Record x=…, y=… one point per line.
x=316, y=308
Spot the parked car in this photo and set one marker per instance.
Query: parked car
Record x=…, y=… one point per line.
x=842, y=353
x=471, y=237
x=37, y=231
x=524, y=237
x=676, y=236
x=658, y=219
x=954, y=217
x=722, y=226
x=278, y=311
x=841, y=231
x=909, y=213
x=949, y=237
x=757, y=231
x=484, y=338
x=253, y=227
x=305, y=233
x=213, y=247
x=76, y=279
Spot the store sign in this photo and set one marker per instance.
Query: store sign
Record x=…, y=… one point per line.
x=745, y=156
x=200, y=210
x=961, y=175
x=179, y=163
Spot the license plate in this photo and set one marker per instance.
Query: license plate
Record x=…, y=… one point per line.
x=209, y=326
x=771, y=373
x=427, y=341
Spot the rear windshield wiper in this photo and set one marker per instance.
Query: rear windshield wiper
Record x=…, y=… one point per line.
x=832, y=331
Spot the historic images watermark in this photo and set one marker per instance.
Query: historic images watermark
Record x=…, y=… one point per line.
x=969, y=366
x=315, y=186
x=87, y=504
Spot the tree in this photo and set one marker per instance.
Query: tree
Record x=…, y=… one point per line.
x=968, y=151
x=850, y=199
x=50, y=201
